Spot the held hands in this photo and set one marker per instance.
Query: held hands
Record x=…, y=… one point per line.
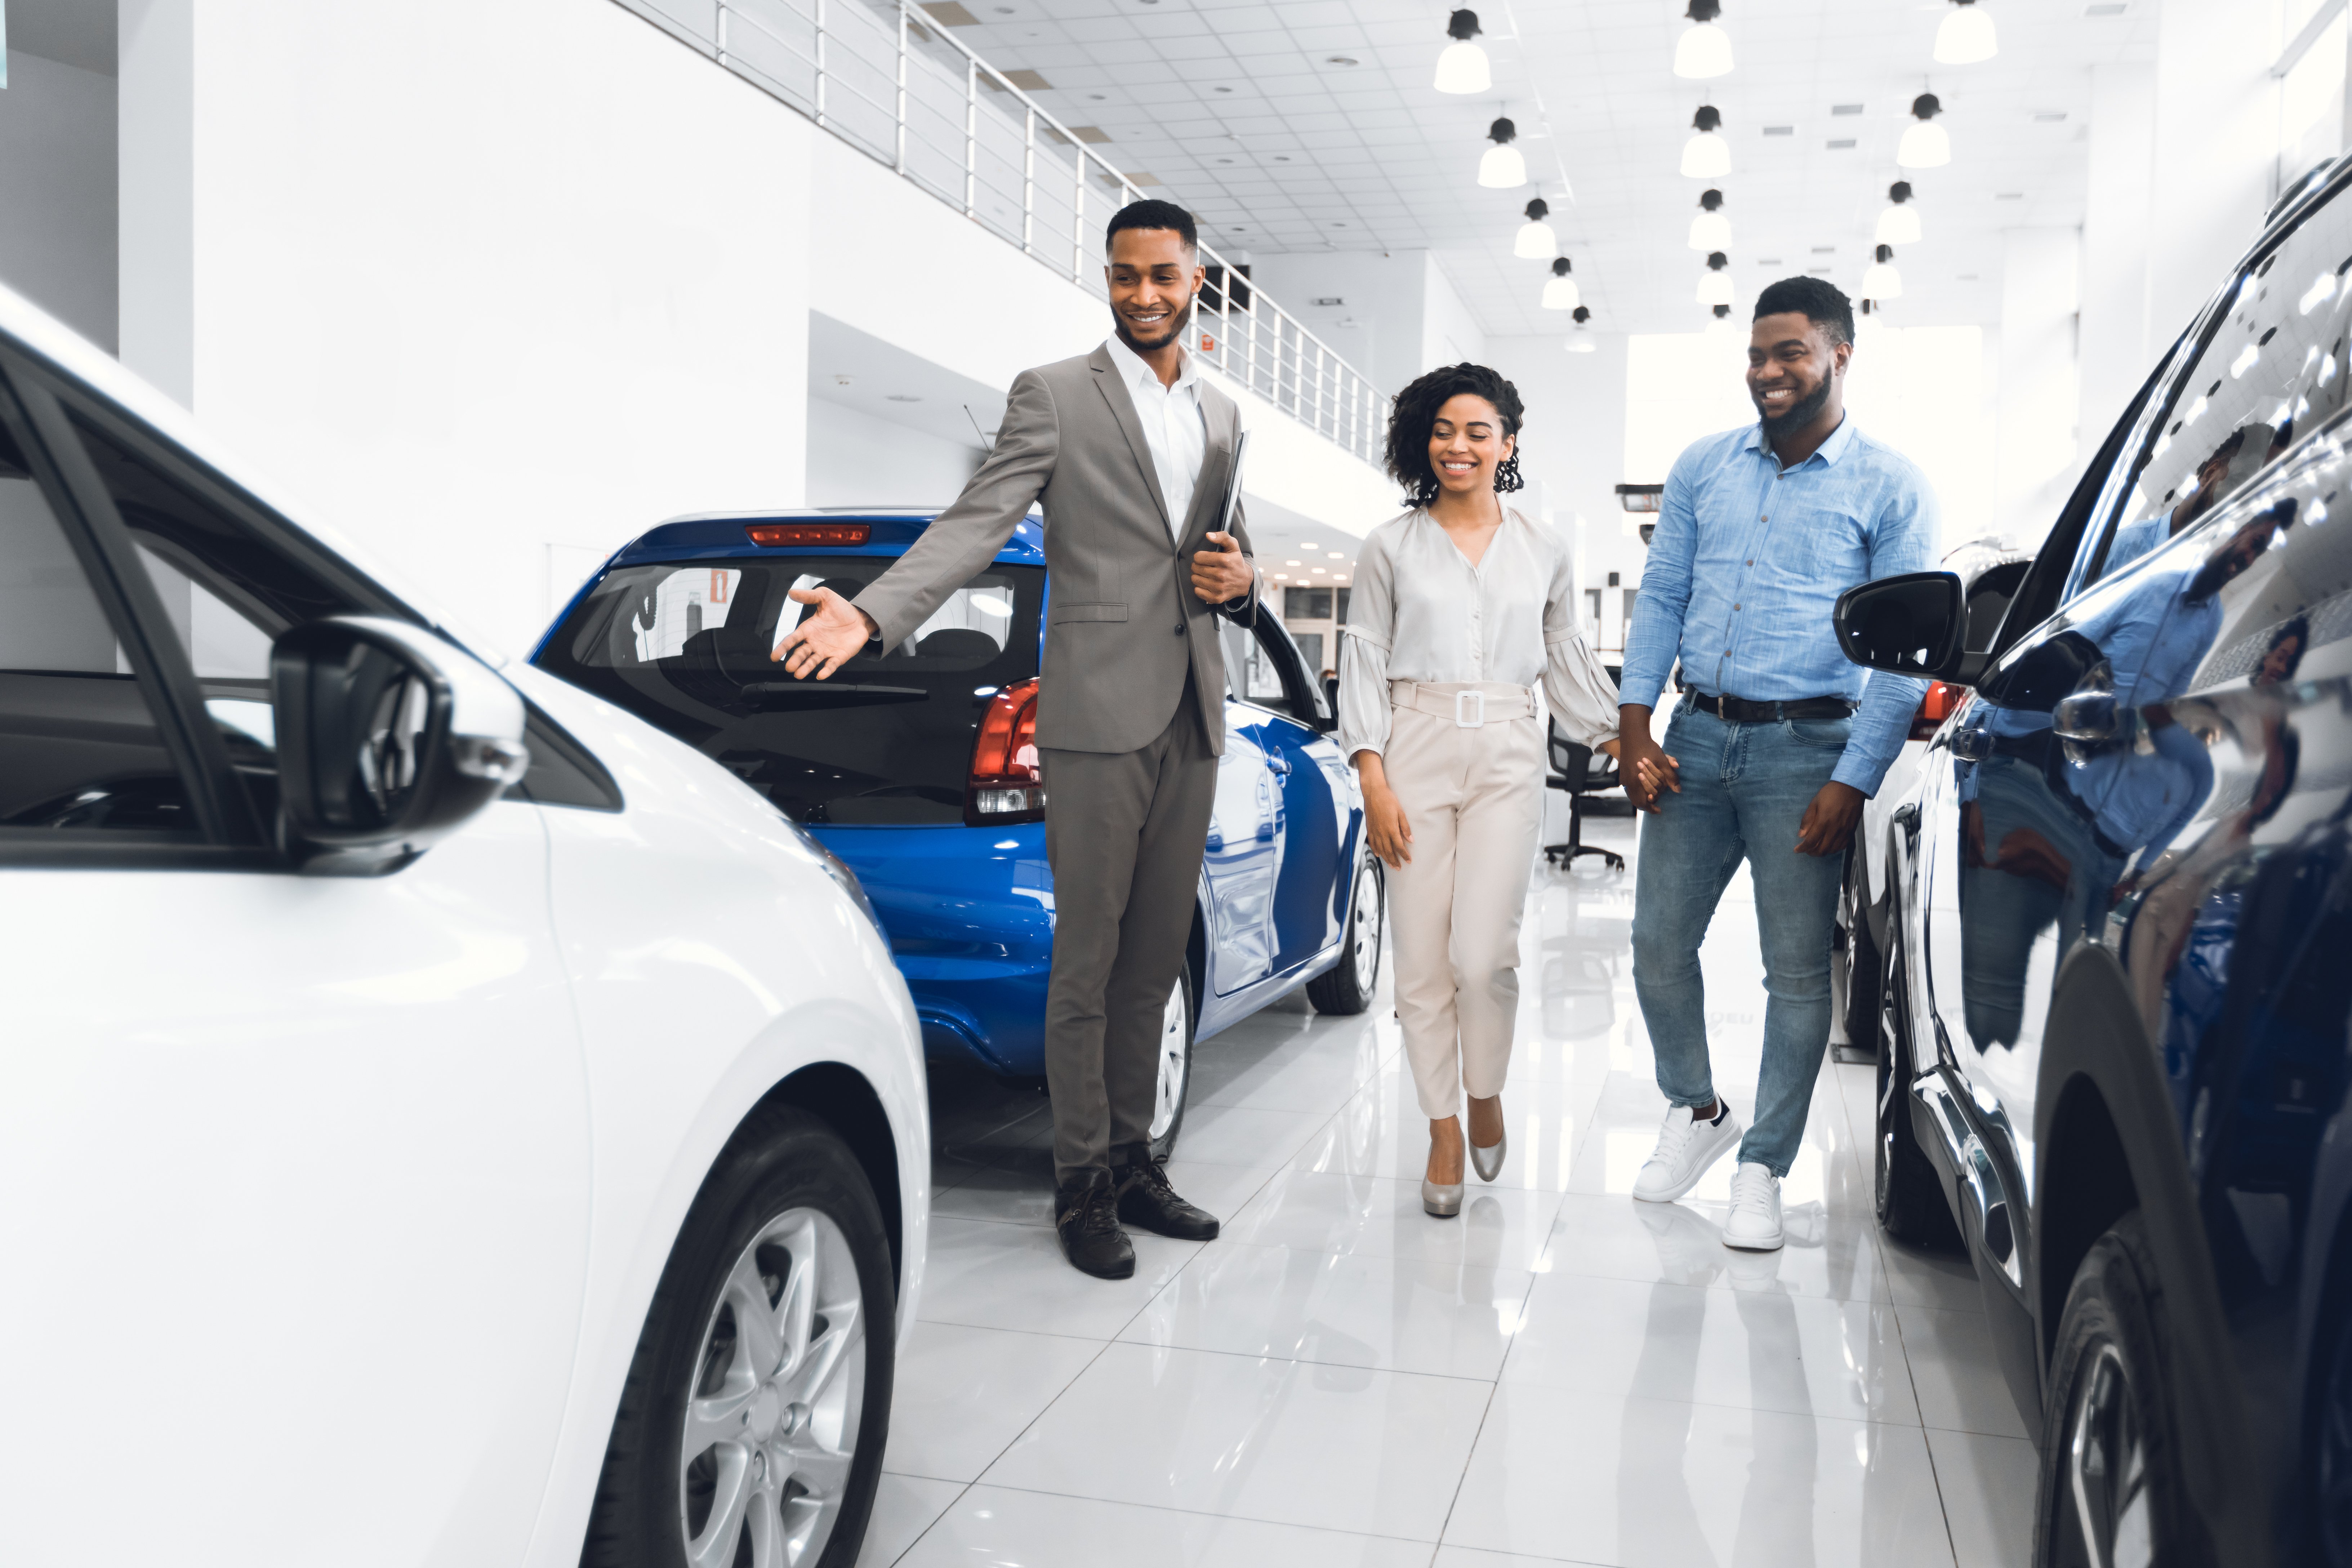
x=826, y=640
x=1223, y=574
x=1647, y=771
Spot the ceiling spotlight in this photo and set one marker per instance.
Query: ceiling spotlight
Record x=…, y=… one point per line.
x=1707, y=155
x=1715, y=283
x=1559, y=294
x=1924, y=146
x=1966, y=36
x=1880, y=281
x=1705, y=50
x=1898, y=225
x=1710, y=230
x=1535, y=238
x=1462, y=66
x=1580, y=337
x=1502, y=168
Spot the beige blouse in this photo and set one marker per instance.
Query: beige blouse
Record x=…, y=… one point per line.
x=1421, y=612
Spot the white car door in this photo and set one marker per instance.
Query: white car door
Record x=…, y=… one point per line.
x=293, y=1168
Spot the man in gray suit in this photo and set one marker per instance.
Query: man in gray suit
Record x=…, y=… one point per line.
x=1129, y=452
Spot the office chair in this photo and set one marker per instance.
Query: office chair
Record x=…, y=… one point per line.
x=1576, y=770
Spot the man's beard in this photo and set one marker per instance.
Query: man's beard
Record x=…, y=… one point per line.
x=1799, y=415
x=1176, y=325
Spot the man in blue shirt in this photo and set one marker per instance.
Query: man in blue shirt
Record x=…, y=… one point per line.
x=1777, y=740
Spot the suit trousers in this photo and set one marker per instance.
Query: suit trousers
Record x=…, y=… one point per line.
x=1474, y=801
x=1124, y=834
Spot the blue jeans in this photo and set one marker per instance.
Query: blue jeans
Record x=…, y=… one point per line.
x=1745, y=788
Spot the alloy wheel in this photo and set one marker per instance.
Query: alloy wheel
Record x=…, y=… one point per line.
x=1372, y=912
x=1175, y=1057
x=1893, y=1066
x=772, y=1422
x=2106, y=1469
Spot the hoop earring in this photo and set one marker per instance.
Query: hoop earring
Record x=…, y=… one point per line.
x=1506, y=475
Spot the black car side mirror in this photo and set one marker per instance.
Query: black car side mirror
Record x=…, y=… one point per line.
x=388, y=740
x=1911, y=624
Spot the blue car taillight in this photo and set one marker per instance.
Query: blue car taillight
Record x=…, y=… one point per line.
x=1006, y=785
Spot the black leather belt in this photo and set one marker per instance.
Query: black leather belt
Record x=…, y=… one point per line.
x=1740, y=711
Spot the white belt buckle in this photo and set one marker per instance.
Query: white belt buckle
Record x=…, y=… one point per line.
x=1469, y=709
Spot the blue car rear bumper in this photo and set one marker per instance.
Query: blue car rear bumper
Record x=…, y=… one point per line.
x=969, y=911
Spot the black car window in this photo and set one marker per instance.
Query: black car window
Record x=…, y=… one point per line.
x=80, y=752
x=887, y=739
x=2272, y=368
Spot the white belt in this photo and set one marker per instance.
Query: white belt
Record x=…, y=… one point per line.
x=1471, y=704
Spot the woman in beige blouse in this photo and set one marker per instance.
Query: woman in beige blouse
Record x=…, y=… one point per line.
x=1461, y=606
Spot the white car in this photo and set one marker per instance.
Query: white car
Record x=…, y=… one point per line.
x=1990, y=571
x=443, y=1120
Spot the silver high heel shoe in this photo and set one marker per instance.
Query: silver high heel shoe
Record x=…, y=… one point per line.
x=1442, y=1202
x=1488, y=1162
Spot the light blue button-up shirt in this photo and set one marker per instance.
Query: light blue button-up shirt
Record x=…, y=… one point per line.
x=1746, y=563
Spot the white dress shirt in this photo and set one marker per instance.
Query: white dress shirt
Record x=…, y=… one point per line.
x=1421, y=612
x=1173, y=427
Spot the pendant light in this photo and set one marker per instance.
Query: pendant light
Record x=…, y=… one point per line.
x=1502, y=168
x=1707, y=155
x=1924, y=146
x=1966, y=35
x=1705, y=49
x=1720, y=329
x=1535, y=238
x=1559, y=294
x=1710, y=230
x=1898, y=225
x=1881, y=281
x=1868, y=322
x=1715, y=283
x=1580, y=337
x=1462, y=65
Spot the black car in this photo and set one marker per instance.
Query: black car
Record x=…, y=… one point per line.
x=2118, y=948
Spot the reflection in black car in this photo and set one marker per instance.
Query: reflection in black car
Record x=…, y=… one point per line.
x=2119, y=1045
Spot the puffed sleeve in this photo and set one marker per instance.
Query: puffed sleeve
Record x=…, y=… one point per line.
x=1364, y=644
x=1583, y=698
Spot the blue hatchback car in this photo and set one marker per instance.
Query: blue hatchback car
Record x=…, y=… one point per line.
x=917, y=769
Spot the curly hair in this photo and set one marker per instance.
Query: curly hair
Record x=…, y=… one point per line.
x=1413, y=413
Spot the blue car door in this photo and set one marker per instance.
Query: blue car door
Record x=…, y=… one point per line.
x=1281, y=710
x=1243, y=853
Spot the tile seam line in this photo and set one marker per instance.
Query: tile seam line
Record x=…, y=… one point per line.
x=1935, y=1473
x=919, y=1535
x=1207, y=1513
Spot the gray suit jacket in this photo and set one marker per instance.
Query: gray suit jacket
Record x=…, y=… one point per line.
x=1123, y=624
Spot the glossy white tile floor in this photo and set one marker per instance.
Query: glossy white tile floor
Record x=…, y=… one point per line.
x=1559, y=1376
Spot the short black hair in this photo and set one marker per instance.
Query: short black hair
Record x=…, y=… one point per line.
x=1153, y=214
x=1817, y=299
x=1413, y=415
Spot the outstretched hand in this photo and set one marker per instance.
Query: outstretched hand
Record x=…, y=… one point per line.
x=825, y=640
x=1222, y=573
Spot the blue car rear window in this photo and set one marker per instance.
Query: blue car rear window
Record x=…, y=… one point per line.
x=686, y=644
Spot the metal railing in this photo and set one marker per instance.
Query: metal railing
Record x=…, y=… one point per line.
x=892, y=82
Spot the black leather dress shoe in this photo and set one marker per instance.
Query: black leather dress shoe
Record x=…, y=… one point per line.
x=1086, y=1217
x=1145, y=1199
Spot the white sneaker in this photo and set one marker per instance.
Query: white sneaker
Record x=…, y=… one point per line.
x=1686, y=1147
x=1755, y=1222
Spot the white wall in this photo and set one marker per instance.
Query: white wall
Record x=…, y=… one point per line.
x=2117, y=345
x=1377, y=325
x=2035, y=455
x=57, y=192
x=1572, y=455
x=1450, y=334
x=478, y=302
x=155, y=134
x=2214, y=148
x=857, y=460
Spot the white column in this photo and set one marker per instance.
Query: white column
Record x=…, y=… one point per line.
x=2216, y=148
x=2116, y=351
x=2035, y=455
x=155, y=111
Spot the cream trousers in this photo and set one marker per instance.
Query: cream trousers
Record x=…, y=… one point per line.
x=1474, y=801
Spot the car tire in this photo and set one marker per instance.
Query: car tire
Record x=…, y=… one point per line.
x=1346, y=988
x=1909, y=1193
x=786, y=1215
x=1856, y=970
x=2329, y=1432
x=1178, y=1026
x=2110, y=1447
